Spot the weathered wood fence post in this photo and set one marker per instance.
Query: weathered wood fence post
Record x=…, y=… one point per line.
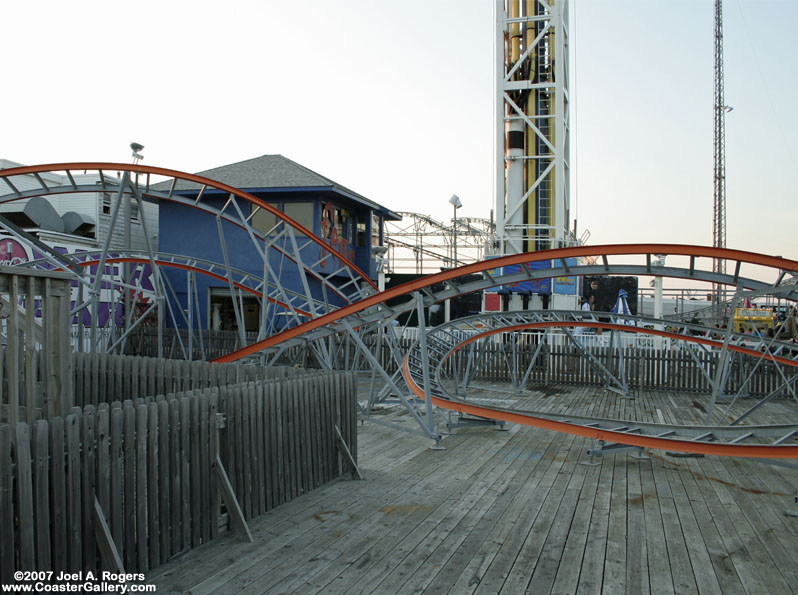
x=38, y=360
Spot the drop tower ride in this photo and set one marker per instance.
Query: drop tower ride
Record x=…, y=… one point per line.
x=532, y=126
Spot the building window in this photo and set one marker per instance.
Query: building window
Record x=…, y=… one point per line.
x=263, y=221
x=375, y=229
x=108, y=201
x=361, y=231
x=301, y=212
x=342, y=223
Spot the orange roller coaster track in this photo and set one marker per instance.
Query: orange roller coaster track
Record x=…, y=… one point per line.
x=190, y=268
x=556, y=255
x=519, y=417
x=639, y=440
x=7, y=174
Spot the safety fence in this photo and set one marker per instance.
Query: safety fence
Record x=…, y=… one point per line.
x=686, y=369
x=100, y=377
x=130, y=484
x=95, y=378
x=174, y=343
x=643, y=362
x=642, y=365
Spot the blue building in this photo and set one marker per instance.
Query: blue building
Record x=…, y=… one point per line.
x=347, y=221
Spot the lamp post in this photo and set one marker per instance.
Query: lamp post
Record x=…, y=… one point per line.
x=456, y=203
x=379, y=256
x=137, y=148
x=659, y=262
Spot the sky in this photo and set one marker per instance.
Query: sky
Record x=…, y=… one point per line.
x=395, y=101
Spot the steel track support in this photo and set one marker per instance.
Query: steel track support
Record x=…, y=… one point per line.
x=199, y=318
x=80, y=342
x=126, y=270
x=597, y=365
x=701, y=366
x=525, y=379
x=302, y=276
x=514, y=370
x=158, y=284
x=370, y=401
x=766, y=354
x=279, y=290
x=378, y=396
x=618, y=350
x=422, y=340
x=428, y=429
x=242, y=333
x=97, y=283
x=190, y=300
x=774, y=393
x=469, y=369
x=457, y=369
x=126, y=287
x=721, y=372
x=322, y=354
x=168, y=286
x=265, y=305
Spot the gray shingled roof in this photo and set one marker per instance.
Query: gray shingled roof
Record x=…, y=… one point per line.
x=267, y=171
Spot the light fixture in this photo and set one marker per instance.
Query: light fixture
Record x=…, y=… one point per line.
x=137, y=148
x=455, y=201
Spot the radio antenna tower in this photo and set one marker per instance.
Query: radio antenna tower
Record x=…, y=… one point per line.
x=719, y=215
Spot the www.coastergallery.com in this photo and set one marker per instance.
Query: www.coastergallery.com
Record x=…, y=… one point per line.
x=104, y=582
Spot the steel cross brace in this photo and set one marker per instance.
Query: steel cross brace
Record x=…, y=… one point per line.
x=541, y=342
x=597, y=365
x=97, y=282
x=428, y=428
x=722, y=371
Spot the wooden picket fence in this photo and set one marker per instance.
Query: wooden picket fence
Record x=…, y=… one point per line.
x=645, y=368
x=100, y=378
x=174, y=343
x=131, y=484
x=95, y=378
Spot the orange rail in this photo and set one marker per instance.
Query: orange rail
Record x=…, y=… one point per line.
x=171, y=173
x=619, y=327
x=706, y=448
x=485, y=265
x=186, y=267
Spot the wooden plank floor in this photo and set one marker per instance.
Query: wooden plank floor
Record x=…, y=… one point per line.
x=517, y=511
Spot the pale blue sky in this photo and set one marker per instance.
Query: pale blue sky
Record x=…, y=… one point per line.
x=395, y=101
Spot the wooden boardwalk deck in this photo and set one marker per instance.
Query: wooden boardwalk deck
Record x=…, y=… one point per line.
x=516, y=511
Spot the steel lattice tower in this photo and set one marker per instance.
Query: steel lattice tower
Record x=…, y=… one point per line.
x=532, y=125
x=719, y=213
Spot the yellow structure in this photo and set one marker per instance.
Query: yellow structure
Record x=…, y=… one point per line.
x=750, y=318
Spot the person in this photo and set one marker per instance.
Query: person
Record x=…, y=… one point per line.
x=587, y=306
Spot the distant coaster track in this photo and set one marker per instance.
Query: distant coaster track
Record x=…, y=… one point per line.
x=231, y=212
x=327, y=277
x=141, y=266
x=446, y=340
x=373, y=311
x=240, y=279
